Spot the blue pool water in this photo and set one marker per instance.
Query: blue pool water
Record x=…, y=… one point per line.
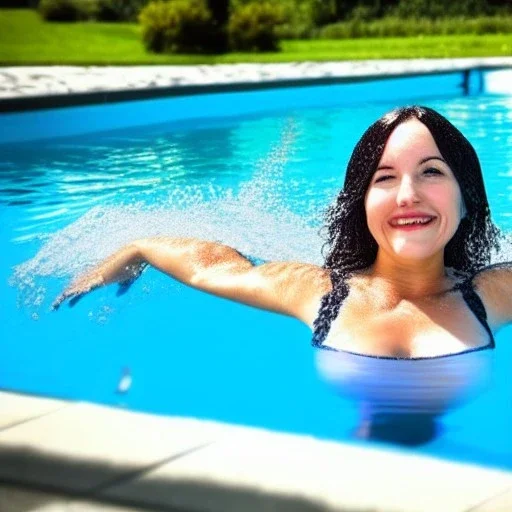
x=253, y=170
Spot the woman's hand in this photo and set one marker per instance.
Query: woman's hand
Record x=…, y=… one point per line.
x=77, y=289
x=123, y=267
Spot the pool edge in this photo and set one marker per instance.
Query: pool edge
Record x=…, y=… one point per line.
x=72, y=98
x=84, y=453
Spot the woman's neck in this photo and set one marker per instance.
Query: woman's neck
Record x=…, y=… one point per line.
x=411, y=279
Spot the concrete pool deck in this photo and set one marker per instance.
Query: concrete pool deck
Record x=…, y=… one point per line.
x=74, y=456
x=44, y=86
x=57, y=455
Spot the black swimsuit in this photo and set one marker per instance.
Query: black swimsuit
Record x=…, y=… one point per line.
x=332, y=302
x=390, y=387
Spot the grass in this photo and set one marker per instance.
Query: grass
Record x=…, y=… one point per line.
x=26, y=40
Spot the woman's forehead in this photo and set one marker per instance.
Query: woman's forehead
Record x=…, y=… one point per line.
x=410, y=139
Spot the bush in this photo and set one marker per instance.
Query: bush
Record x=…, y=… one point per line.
x=363, y=13
x=392, y=26
x=295, y=31
x=177, y=26
x=67, y=10
x=17, y=4
x=436, y=9
x=252, y=27
x=299, y=20
x=119, y=10
x=490, y=25
x=318, y=12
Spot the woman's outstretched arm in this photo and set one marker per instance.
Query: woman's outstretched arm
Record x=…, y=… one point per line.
x=293, y=289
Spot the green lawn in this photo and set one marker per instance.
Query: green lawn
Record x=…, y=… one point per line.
x=25, y=39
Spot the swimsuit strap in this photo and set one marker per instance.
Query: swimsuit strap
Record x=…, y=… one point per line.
x=475, y=304
x=330, y=306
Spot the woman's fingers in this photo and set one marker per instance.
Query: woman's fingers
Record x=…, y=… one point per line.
x=70, y=293
x=74, y=296
x=77, y=290
x=57, y=302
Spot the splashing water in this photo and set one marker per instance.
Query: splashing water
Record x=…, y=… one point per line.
x=256, y=220
x=504, y=254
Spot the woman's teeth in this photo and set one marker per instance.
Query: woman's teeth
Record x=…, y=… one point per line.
x=411, y=221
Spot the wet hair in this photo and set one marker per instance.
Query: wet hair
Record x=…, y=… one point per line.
x=349, y=245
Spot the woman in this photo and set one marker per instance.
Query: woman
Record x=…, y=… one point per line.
x=409, y=244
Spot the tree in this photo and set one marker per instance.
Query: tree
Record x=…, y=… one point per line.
x=220, y=11
x=220, y=15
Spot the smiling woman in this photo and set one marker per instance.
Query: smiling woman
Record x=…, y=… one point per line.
x=409, y=244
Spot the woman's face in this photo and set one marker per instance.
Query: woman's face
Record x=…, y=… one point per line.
x=413, y=204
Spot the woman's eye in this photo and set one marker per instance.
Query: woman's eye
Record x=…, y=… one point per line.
x=433, y=171
x=383, y=177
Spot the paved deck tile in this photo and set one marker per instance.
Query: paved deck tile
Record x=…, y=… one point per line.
x=17, y=499
x=500, y=503
x=255, y=471
x=15, y=408
x=84, y=446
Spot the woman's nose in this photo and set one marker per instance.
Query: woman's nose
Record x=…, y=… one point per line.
x=407, y=192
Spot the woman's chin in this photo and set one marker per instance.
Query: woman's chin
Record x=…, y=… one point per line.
x=412, y=254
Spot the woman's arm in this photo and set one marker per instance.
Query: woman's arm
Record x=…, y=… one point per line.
x=494, y=285
x=293, y=289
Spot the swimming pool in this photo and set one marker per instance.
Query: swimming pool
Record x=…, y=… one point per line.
x=254, y=170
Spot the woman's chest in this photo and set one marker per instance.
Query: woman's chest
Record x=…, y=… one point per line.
x=370, y=323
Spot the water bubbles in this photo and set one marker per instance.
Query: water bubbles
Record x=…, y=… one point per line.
x=504, y=254
x=257, y=219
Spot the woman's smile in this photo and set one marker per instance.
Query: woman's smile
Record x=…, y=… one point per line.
x=412, y=221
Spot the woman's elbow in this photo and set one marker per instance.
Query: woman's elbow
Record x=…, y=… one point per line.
x=141, y=248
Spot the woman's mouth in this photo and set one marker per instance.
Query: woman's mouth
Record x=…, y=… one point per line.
x=410, y=223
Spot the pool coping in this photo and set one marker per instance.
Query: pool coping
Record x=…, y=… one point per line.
x=137, y=461
x=100, y=85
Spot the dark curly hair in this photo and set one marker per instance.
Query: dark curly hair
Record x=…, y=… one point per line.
x=351, y=247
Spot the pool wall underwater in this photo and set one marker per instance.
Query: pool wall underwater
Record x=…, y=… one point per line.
x=220, y=372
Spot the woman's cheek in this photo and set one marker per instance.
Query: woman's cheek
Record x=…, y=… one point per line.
x=375, y=213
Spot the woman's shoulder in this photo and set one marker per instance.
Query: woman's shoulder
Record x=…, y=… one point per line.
x=307, y=274
x=492, y=275
x=304, y=285
x=314, y=278
x=493, y=284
